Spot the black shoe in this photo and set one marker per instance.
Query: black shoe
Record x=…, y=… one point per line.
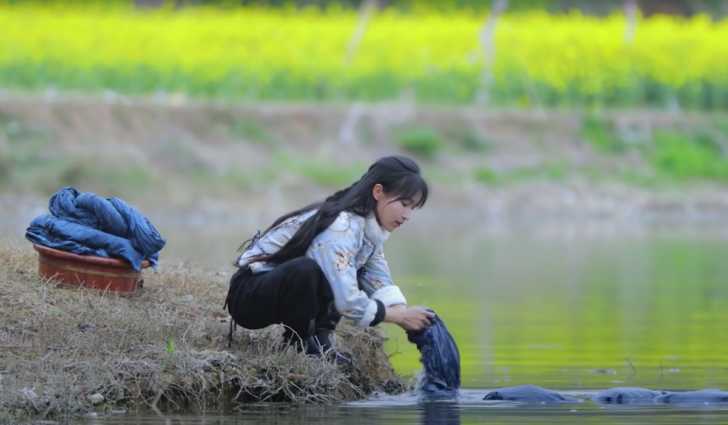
x=320, y=345
x=311, y=345
x=342, y=360
x=323, y=337
x=292, y=339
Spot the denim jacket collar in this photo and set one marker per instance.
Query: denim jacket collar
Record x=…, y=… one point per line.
x=373, y=231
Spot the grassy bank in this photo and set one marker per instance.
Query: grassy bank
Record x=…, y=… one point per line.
x=69, y=352
x=310, y=54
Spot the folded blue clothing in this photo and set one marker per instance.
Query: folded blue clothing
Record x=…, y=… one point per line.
x=140, y=231
x=440, y=358
x=87, y=224
x=73, y=237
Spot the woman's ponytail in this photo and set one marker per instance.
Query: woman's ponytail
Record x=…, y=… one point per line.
x=398, y=175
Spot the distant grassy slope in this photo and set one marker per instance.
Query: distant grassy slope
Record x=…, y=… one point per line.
x=179, y=151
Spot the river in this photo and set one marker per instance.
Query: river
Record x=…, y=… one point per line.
x=575, y=306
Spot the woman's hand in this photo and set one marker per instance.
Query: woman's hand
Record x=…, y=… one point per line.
x=409, y=318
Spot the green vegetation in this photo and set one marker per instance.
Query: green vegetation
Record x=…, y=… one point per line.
x=689, y=156
x=601, y=134
x=423, y=142
x=675, y=154
x=486, y=175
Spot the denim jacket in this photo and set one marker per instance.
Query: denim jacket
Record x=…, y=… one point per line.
x=350, y=254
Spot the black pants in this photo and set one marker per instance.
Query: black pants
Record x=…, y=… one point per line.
x=295, y=293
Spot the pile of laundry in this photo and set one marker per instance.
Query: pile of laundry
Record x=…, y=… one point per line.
x=87, y=224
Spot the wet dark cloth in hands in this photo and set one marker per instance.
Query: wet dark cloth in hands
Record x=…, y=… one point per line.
x=440, y=359
x=87, y=224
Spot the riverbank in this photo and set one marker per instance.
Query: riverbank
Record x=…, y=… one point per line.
x=189, y=155
x=73, y=352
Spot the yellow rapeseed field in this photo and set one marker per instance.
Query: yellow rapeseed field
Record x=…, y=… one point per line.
x=287, y=53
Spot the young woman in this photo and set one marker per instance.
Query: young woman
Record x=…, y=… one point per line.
x=324, y=261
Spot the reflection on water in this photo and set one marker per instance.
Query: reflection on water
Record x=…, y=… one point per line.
x=575, y=313
x=440, y=414
x=469, y=409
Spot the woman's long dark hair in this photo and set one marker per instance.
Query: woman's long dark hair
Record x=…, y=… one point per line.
x=398, y=175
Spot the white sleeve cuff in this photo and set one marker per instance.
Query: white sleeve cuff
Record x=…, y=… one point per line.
x=369, y=315
x=389, y=295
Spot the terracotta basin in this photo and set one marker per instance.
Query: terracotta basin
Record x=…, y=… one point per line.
x=88, y=271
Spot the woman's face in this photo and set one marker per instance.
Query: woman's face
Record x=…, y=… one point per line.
x=392, y=213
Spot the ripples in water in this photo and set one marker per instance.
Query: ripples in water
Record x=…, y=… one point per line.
x=469, y=408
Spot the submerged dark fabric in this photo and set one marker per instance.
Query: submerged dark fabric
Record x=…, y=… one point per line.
x=529, y=394
x=701, y=397
x=87, y=224
x=440, y=359
x=627, y=395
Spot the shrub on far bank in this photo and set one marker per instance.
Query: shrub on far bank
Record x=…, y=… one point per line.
x=686, y=156
x=600, y=134
x=486, y=175
x=424, y=142
x=674, y=153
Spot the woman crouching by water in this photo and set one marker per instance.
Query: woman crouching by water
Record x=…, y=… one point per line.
x=326, y=260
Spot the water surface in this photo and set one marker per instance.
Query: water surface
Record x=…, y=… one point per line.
x=407, y=410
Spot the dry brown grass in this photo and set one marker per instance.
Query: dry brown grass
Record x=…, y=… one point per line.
x=67, y=352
